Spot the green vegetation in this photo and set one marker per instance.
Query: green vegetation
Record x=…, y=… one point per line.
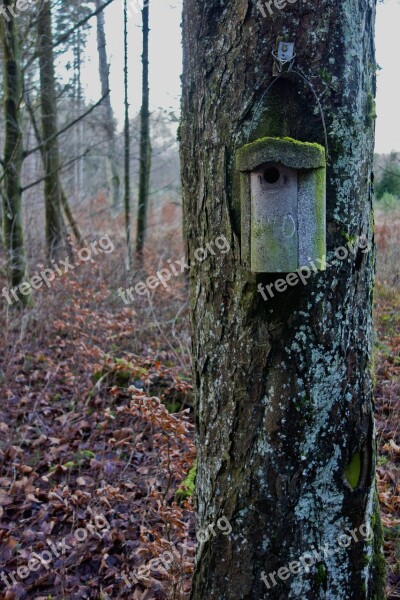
x=186, y=489
x=388, y=202
x=387, y=187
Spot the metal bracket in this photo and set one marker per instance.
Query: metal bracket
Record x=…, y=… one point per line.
x=285, y=51
x=283, y=55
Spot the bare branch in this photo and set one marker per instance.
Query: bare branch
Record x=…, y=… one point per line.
x=389, y=172
x=66, y=164
x=64, y=129
x=66, y=35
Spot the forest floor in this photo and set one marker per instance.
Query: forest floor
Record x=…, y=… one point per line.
x=387, y=390
x=96, y=434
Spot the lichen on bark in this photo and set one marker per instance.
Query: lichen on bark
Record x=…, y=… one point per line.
x=283, y=388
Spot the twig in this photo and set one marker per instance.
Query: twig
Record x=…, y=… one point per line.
x=66, y=35
x=64, y=129
x=30, y=185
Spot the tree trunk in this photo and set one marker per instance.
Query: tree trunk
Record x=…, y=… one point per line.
x=52, y=189
x=13, y=153
x=145, y=149
x=78, y=106
x=284, y=407
x=127, y=178
x=64, y=200
x=109, y=124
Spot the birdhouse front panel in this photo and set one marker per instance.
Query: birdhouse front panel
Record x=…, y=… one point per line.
x=282, y=203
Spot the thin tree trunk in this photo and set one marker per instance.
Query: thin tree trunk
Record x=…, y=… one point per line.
x=145, y=148
x=13, y=154
x=70, y=218
x=109, y=124
x=284, y=407
x=52, y=191
x=64, y=200
x=127, y=144
x=78, y=108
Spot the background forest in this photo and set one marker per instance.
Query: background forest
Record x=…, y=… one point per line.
x=96, y=412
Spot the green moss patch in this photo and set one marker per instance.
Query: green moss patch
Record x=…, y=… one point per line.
x=353, y=471
x=290, y=152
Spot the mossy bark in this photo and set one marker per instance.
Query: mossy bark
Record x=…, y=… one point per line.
x=52, y=188
x=13, y=154
x=284, y=393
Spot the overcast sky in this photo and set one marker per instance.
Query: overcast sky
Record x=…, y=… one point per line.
x=388, y=93
x=165, y=63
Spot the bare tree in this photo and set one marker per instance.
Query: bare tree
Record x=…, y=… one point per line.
x=127, y=191
x=13, y=152
x=145, y=148
x=109, y=124
x=52, y=188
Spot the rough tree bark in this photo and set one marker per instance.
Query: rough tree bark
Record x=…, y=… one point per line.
x=284, y=394
x=52, y=188
x=109, y=124
x=145, y=148
x=13, y=153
